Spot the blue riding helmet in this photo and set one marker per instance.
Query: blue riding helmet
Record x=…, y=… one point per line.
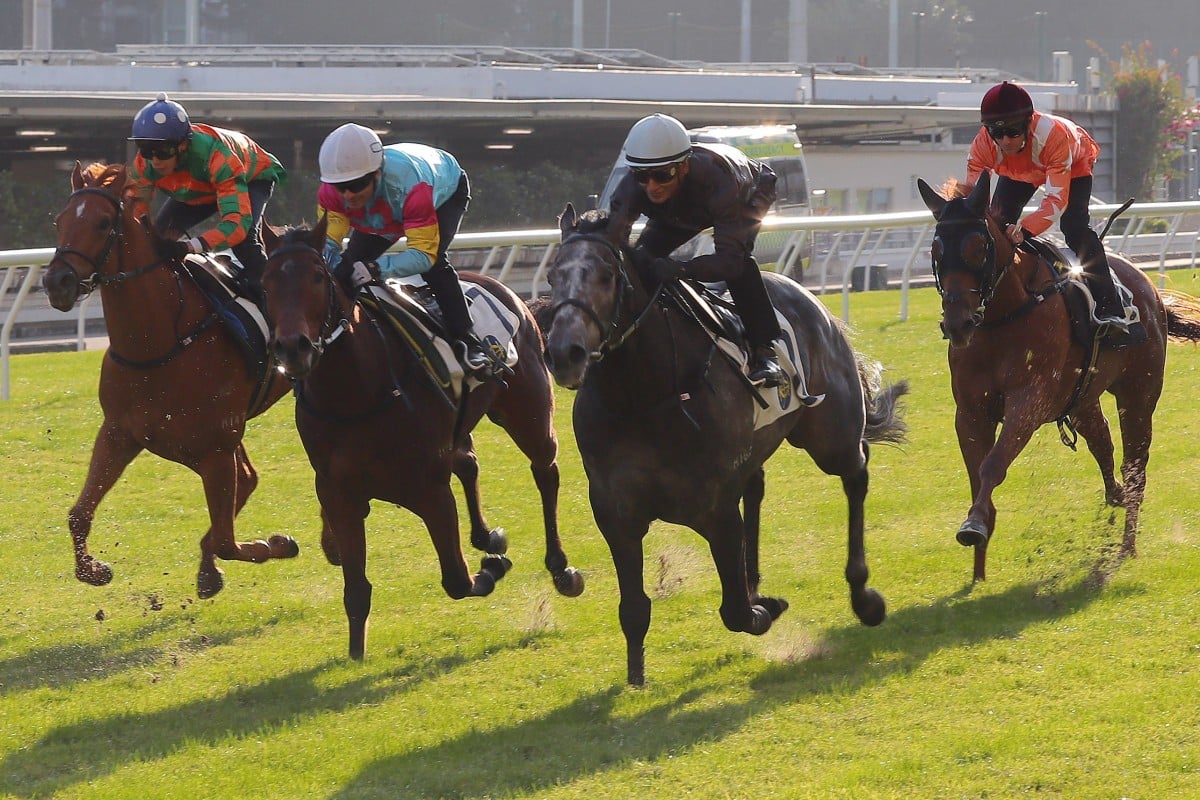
x=162, y=120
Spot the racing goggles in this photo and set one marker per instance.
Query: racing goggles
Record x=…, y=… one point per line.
x=660, y=175
x=1006, y=130
x=356, y=185
x=159, y=151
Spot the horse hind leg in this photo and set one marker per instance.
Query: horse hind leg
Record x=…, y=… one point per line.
x=868, y=604
x=1093, y=427
x=1136, y=432
x=438, y=512
x=724, y=531
x=111, y=454
x=219, y=472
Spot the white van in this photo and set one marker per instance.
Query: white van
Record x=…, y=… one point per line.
x=775, y=145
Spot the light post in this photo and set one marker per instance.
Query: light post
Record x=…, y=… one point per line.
x=674, y=17
x=917, y=17
x=1040, y=16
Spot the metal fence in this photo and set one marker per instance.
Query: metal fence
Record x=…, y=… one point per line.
x=826, y=253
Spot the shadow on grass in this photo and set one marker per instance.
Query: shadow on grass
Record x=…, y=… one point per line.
x=53, y=763
x=585, y=738
x=65, y=665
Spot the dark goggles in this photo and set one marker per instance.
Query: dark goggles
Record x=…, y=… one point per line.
x=644, y=175
x=1009, y=130
x=160, y=151
x=356, y=185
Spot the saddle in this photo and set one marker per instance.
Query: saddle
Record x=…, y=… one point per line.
x=409, y=307
x=1081, y=305
x=709, y=305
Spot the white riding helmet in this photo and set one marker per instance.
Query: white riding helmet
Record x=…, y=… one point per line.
x=656, y=140
x=349, y=152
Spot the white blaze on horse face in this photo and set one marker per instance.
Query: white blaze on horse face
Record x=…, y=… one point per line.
x=79, y=210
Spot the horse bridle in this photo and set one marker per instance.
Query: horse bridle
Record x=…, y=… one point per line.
x=331, y=329
x=615, y=336
x=88, y=285
x=986, y=274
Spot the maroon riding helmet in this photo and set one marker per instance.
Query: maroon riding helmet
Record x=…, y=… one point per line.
x=1005, y=102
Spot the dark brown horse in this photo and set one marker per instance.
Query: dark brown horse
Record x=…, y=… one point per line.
x=375, y=425
x=666, y=426
x=173, y=381
x=1013, y=360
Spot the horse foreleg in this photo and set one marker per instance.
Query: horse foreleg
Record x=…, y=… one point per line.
x=111, y=454
x=624, y=539
x=868, y=604
x=466, y=468
x=437, y=510
x=723, y=530
x=219, y=472
x=1093, y=427
x=976, y=438
x=1019, y=426
x=567, y=580
x=752, y=498
x=343, y=517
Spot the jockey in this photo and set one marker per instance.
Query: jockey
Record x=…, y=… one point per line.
x=205, y=170
x=683, y=188
x=378, y=194
x=1028, y=149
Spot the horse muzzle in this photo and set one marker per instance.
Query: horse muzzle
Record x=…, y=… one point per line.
x=295, y=356
x=62, y=286
x=568, y=360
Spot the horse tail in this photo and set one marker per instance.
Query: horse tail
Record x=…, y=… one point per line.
x=884, y=423
x=1183, y=316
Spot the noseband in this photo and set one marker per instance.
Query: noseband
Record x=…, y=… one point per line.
x=95, y=278
x=615, y=337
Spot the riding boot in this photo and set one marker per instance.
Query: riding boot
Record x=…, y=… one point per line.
x=1110, y=314
x=764, y=369
x=249, y=279
x=443, y=280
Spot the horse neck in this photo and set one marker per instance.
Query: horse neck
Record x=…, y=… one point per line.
x=651, y=358
x=359, y=358
x=1014, y=284
x=144, y=314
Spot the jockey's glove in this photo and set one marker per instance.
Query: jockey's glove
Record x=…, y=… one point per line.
x=354, y=274
x=664, y=269
x=172, y=249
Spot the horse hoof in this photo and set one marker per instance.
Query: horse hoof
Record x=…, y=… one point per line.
x=497, y=541
x=775, y=606
x=569, y=582
x=497, y=566
x=870, y=607
x=283, y=546
x=208, y=584
x=972, y=534
x=93, y=572
x=760, y=620
x=483, y=584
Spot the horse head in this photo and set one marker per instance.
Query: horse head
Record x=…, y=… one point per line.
x=89, y=231
x=588, y=283
x=304, y=301
x=964, y=256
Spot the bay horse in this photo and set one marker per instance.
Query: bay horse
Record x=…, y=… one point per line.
x=1014, y=364
x=172, y=382
x=667, y=432
x=375, y=425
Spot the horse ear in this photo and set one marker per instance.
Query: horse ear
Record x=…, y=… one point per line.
x=318, y=236
x=977, y=201
x=934, y=201
x=77, y=177
x=270, y=237
x=567, y=221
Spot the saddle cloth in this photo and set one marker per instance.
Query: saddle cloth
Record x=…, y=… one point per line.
x=215, y=276
x=413, y=311
x=725, y=330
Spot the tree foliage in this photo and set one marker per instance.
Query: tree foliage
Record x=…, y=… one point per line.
x=1150, y=99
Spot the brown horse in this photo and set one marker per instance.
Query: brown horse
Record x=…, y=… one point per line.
x=172, y=381
x=667, y=429
x=375, y=425
x=1013, y=360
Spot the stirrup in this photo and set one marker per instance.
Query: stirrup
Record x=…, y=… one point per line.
x=767, y=373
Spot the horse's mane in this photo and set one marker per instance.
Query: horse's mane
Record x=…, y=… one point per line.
x=101, y=175
x=593, y=220
x=289, y=234
x=953, y=188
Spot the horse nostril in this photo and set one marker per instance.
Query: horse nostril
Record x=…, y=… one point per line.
x=576, y=354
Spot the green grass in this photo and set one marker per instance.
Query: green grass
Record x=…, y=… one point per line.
x=1039, y=682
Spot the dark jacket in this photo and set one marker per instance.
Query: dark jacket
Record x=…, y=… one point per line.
x=724, y=190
